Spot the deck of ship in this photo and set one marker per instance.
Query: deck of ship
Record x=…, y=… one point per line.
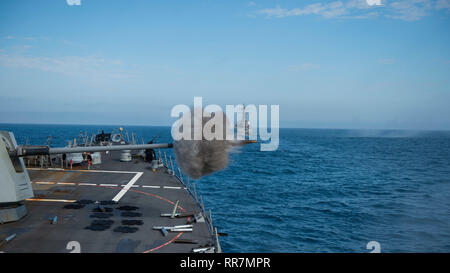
x=131, y=184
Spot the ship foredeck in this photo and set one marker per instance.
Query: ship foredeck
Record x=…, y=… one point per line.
x=65, y=211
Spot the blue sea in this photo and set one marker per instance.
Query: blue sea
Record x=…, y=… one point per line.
x=321, y=191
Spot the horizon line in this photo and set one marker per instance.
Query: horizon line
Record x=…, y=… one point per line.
x=307, y=128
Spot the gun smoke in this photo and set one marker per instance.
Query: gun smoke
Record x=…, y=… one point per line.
x=198, y=158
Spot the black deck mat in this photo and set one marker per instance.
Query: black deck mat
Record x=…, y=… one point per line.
x=126, y=229
x=132, y=222
x=108, y=202
x=127, y=208
x=101, y=215
x=73, y=206
x=131, y=214
x=100, y=225
x=106, y=209
x=85, y=202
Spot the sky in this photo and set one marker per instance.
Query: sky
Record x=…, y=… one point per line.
x=369, y=64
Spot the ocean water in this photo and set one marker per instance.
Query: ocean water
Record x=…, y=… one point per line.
x=321, y=191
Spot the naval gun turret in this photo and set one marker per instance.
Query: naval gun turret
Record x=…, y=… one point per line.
x=15, y=184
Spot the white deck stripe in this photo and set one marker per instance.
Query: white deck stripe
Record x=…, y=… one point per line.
x=111, y=185
x=102, y=171
x=127, y=187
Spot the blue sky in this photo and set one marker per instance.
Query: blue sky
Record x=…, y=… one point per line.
x=328, y=64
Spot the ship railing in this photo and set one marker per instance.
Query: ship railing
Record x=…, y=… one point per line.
x=191, y=189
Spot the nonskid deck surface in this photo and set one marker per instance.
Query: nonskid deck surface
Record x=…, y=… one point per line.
x=132, y=184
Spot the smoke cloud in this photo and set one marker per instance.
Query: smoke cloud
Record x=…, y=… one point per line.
x=198, y=158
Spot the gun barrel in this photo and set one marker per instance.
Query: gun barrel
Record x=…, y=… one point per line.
x=46, y=150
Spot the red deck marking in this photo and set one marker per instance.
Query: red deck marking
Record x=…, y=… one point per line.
x=169, y=242
x=167, y=200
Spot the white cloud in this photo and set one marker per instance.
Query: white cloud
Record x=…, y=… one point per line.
x=25, y=39
x=73, y=2
x=443, y=4
x=408, y=10
x=89, y=66
x=328, y=10
x=374, y=2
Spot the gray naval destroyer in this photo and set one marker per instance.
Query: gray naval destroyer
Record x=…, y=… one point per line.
x=105, y=194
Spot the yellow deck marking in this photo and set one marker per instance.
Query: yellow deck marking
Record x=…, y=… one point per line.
x=50, y=200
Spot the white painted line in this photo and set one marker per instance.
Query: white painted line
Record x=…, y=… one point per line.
x=127, y=187
x=108, y=185
x=176, y=188
x=102, y=171
x=64, y=183
x=133, y=186
x=153, y=187
x=44, y=182
x=87, y=184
